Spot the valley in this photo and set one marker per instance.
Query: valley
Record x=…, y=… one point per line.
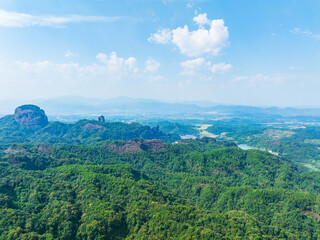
x=107, y=180
x=159, y=120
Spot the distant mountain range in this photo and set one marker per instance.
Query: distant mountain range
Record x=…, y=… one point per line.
x=30, y=124
x=70, y=105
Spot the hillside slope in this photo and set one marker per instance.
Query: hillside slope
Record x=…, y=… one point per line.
x=198, y=189
x=29, y=124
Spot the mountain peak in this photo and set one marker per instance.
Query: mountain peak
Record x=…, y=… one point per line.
x=30, y=115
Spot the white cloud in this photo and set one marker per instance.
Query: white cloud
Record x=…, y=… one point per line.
x=113, y=63
x=201, y=41
x=152, y=65
x=131, y=63
x=210, y=38
x=109, y=75
x=261, y=78
x=307, y=33
x=163, y=36
x=69, y=54
x=200, y=65
x=240, y=78
x=192, y=66
x=112, y=66
x=20, y=20
x=45, y=67
x=102, y=57
x=221, y=67
x=266, y=78
x=201, y=19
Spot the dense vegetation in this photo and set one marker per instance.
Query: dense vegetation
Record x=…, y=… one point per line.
x=174, y=127
x=84, y=131
x=197, y=189
x=97, y=180
x=298, y=143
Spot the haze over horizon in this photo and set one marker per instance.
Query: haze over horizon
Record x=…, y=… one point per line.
x=236, y=52
x=81, y=107
x=14, y=102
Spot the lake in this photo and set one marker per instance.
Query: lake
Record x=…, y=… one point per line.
x=246, y=147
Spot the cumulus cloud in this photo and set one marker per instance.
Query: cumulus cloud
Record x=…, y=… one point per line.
x=20, y=20
x=201, y=19
x=220, y=67
x=200, y=65
x=163, y=36
x=113, y=63
x=209, y=38
x=109, y=75
x=152, y=65
x=192, y=66
x=102, y=57
x=108, y=66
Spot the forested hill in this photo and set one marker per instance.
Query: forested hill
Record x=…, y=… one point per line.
x=119, y=181
x=197, y=189
x=30, y=124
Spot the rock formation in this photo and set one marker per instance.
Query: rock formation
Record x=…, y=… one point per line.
x=90, y=126
x=137, y=145
x=13, y=150
x=153, y=145
x=101, y=119
x=30, y=116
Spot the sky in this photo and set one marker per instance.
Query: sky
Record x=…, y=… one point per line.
x=243, y=52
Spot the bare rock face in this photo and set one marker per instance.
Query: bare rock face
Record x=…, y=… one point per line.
x=30, y=116
x=101, y=119
x=90, y=126
x=43, y=148
x=131, y=146
x=137, y=145
x=13, y=150
x=153, y=145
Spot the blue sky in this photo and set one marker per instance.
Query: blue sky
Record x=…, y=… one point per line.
x=235, y=52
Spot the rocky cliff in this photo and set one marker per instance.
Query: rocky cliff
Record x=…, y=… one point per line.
x=30, y=116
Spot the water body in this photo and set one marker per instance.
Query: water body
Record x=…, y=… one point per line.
x=246, y=147
x=188, y=137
